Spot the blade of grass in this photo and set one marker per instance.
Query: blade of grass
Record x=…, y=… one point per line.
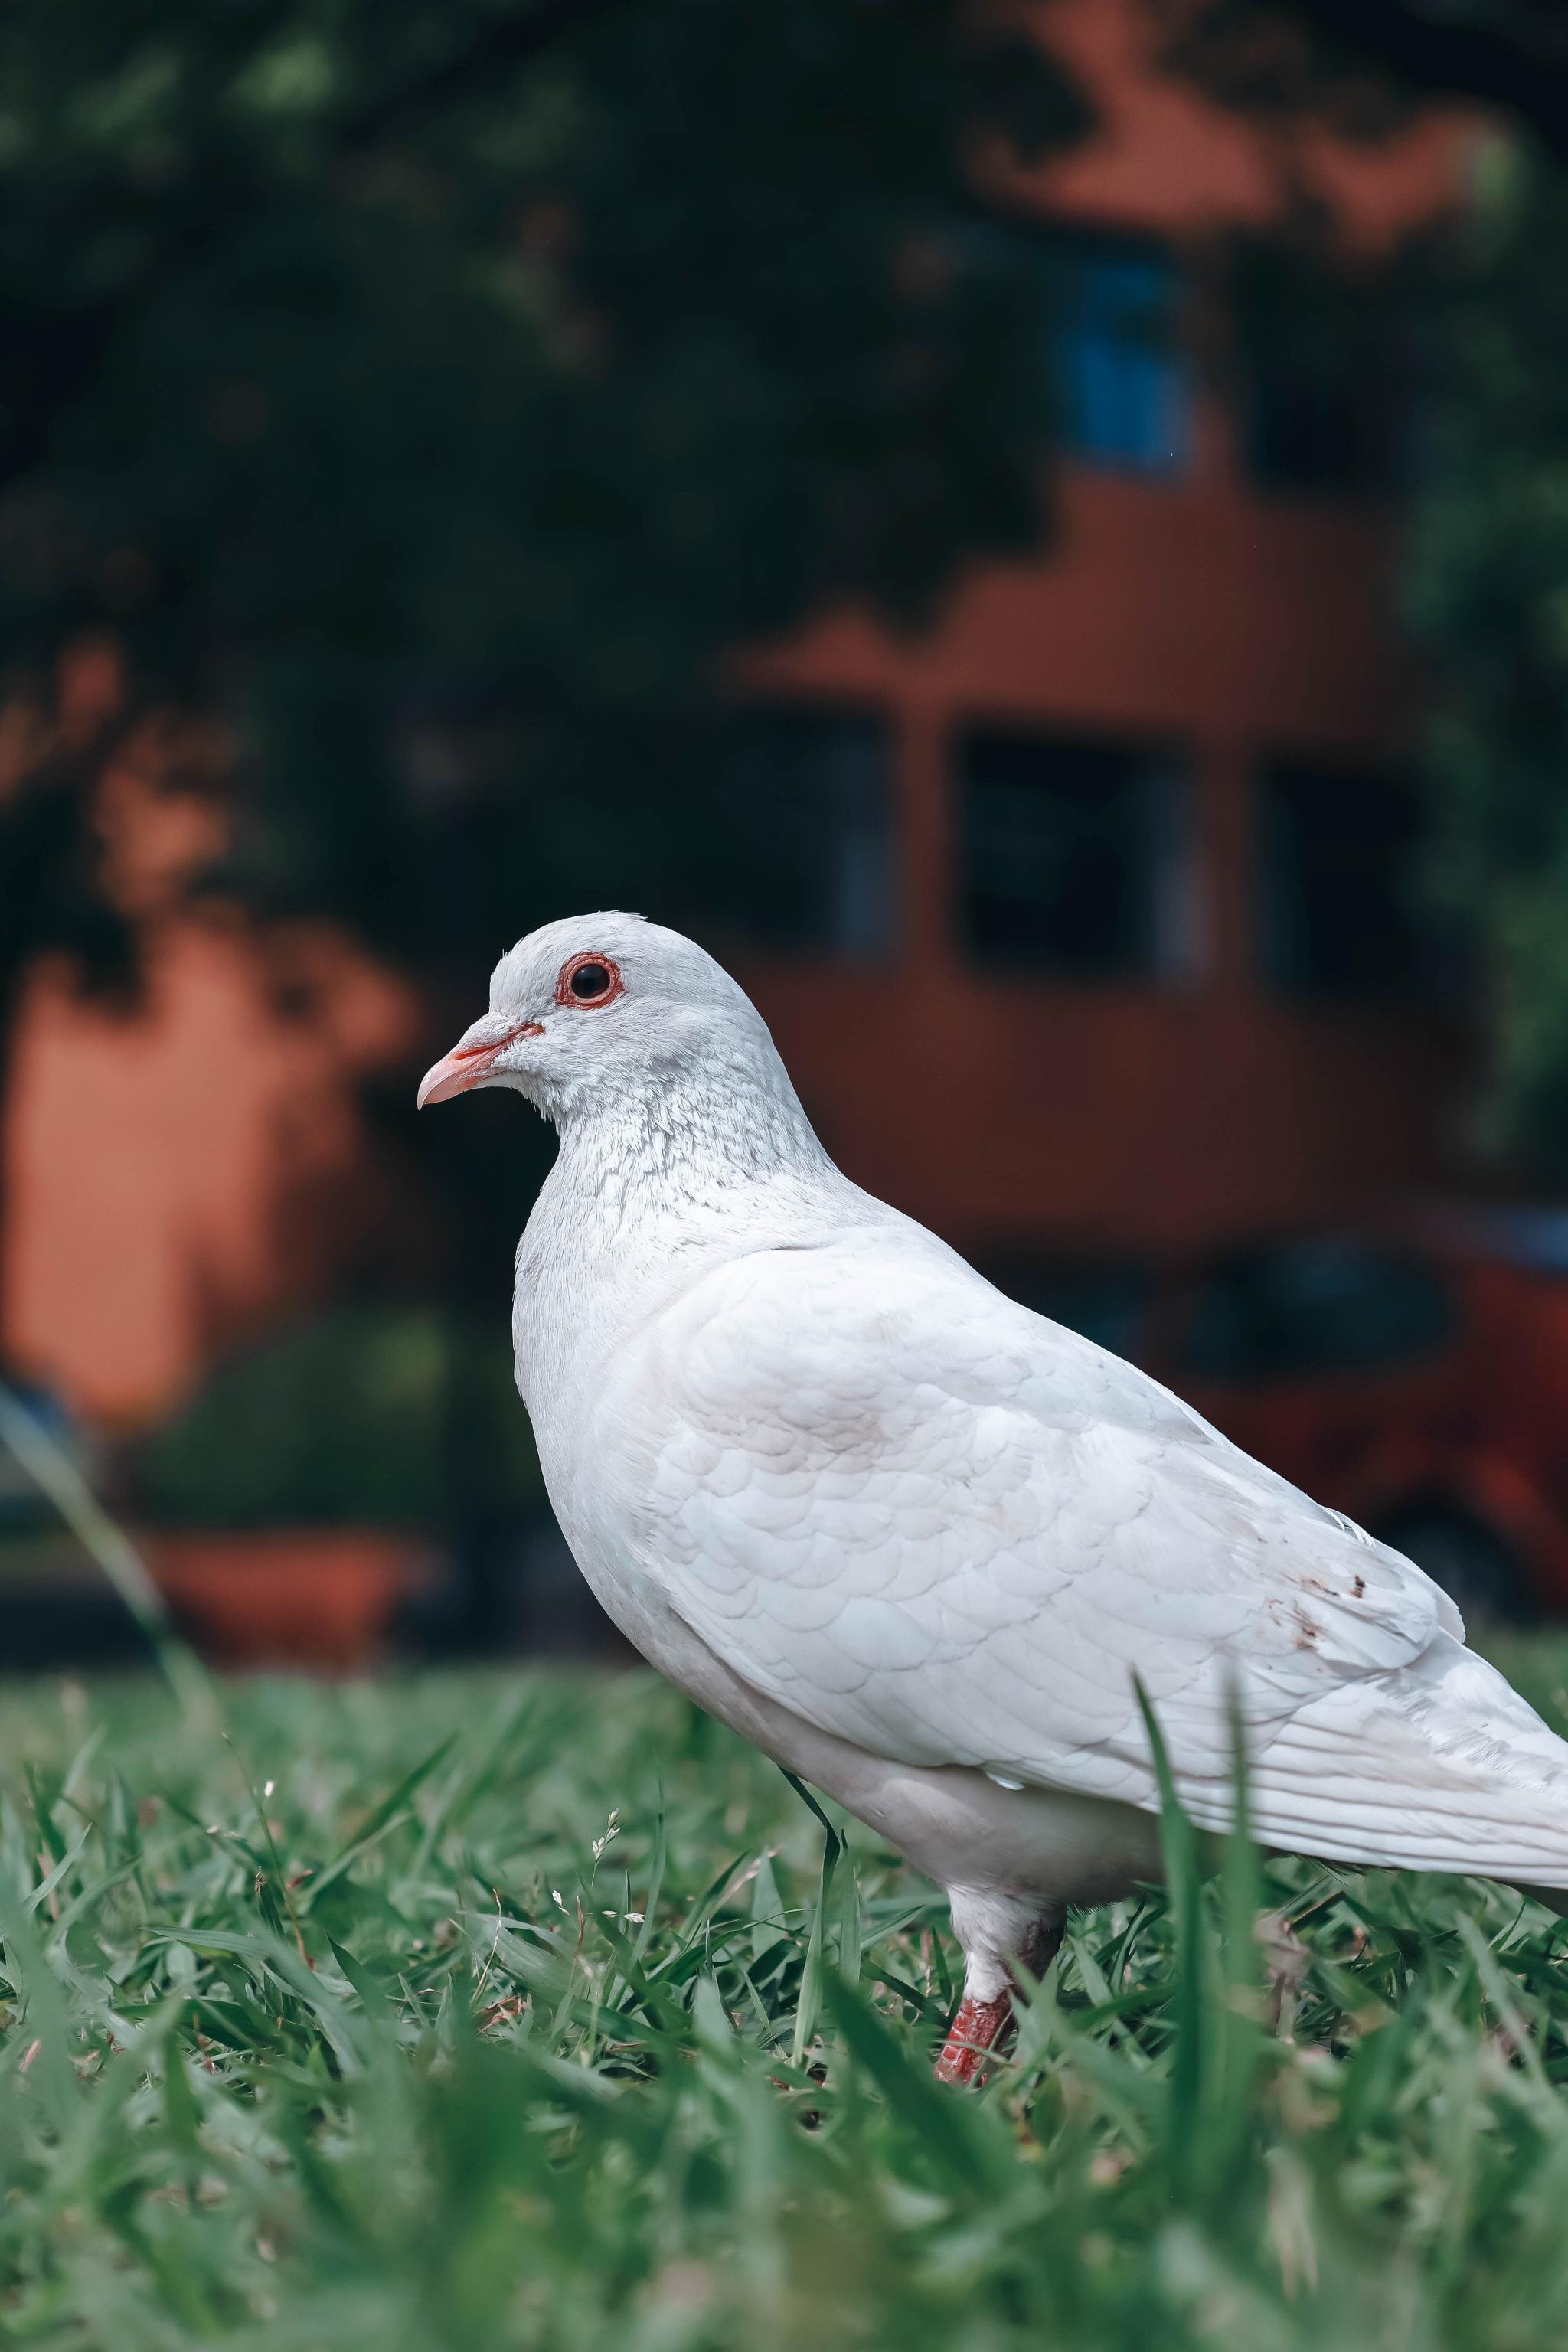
x=44, y=2055
x=380, y=1819
x=1179, y=1853
x=810, y=1996
x=57, y=1476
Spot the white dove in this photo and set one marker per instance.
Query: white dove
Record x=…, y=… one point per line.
x=918, y=1543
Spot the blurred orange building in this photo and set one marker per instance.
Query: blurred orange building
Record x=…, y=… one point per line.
x=1107, y=883
x=184, y=1167
x=1084, y=925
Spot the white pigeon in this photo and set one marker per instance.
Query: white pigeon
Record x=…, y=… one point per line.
x=920, y=1544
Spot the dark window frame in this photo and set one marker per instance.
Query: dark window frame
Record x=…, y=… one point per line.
x=1113, y=1301
x=1252, y=1317
x=1308, y=953
x=1169, y=953
x=882, y=941
x=1323, y=378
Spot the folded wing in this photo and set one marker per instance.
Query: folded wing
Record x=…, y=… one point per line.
x=942, y=1528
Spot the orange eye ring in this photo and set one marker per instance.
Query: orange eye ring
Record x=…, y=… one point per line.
x=588, y=979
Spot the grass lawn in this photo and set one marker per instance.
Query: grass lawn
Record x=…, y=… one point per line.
x=530, y=2008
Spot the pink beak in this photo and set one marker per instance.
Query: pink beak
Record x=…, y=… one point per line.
x=473, y=1056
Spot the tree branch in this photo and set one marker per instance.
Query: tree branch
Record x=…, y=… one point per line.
x=1522, y=70
x=55, y=360
x=511, y=42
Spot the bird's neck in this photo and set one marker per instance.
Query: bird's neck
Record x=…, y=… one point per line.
x=719, y=1150
x=713, y=1130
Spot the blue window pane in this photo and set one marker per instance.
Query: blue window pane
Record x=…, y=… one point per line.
x=1123, y=382
x=1116, y=380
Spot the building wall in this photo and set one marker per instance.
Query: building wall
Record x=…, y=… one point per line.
x=1194, y=609
x=187, y=1173
x=185, y=1168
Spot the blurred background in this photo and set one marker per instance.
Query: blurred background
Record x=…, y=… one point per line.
x=1040, y=534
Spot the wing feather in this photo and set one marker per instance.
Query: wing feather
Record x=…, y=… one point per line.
x=938, y=1526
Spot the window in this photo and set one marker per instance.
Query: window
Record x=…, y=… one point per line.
x=806, y=800
x=1312, y=428
x=1123, y=392
x=1324, y=391
x=1312, y=1307
x=1075, y=857
x=1108, y=310
x=1108, y=1302
x=1338, y=849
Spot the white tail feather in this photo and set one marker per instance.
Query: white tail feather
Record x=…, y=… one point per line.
x=1438, y=1764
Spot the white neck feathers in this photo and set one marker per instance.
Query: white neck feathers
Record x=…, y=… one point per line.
x=717, y=1148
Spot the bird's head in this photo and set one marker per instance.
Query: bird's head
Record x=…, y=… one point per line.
x=598, y=1008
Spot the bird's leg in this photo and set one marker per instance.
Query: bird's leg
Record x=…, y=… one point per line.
x=994, y=1930
x=975, y=2029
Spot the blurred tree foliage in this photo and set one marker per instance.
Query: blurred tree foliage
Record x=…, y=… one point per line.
x=342, y=1420
x=443, y=389
x=438, y=393
x=1487, y=589
x=1365, y=63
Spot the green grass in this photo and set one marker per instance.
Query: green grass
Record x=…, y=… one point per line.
x=530, y=2010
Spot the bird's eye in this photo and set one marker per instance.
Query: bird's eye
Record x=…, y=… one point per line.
x=587, y=980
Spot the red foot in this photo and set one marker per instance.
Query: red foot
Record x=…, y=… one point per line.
x=977, y=2028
